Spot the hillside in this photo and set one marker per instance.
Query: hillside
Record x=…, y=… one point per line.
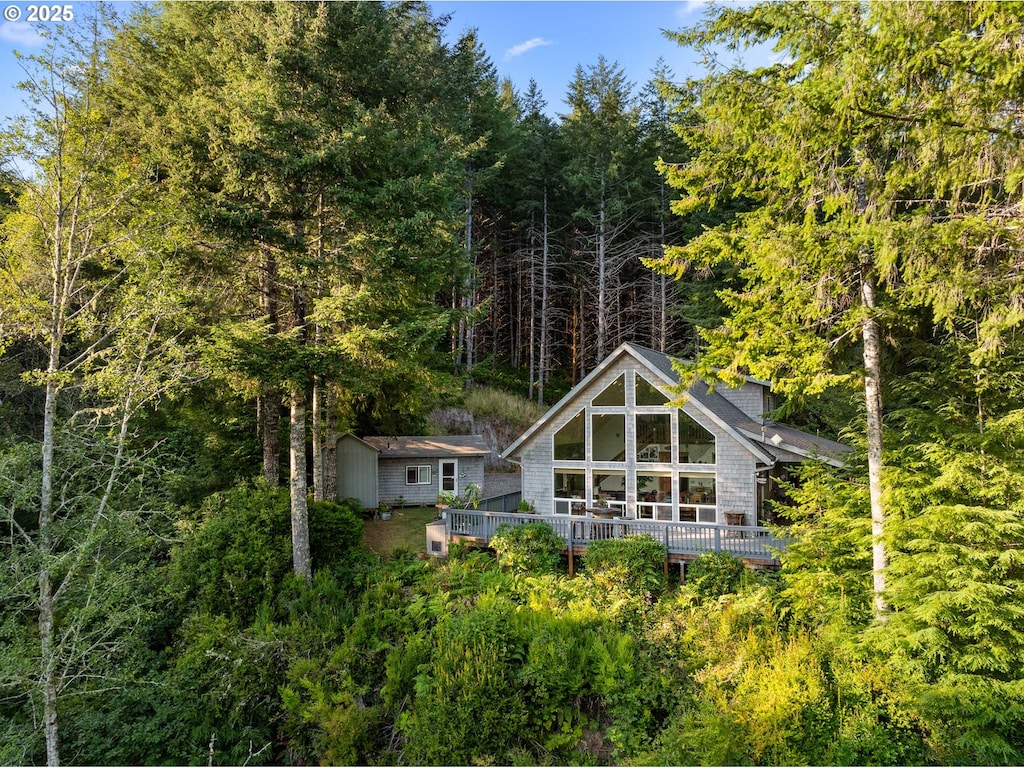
x=499, y=416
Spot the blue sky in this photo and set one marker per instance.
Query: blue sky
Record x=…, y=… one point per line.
x=543, y=40
x=547, y=40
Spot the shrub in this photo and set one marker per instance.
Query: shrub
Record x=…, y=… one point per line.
x=714, y=574
x=528, y=548
x=469, y=706
x=239, y=556
x=634, y=564
x=335, y=531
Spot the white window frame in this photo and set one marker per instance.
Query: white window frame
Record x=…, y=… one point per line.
x=420, y=470
x=454, y=477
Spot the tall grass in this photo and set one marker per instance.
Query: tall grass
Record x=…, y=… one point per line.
x=495, y=404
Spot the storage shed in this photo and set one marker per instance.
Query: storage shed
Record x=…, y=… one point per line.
x=409, y=470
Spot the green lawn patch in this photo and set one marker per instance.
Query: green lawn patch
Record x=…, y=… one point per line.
x=406, y=528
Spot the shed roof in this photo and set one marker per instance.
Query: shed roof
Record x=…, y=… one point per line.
x=420, y=447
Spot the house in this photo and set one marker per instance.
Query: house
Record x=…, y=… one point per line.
x=410, y=470
x=616, y=441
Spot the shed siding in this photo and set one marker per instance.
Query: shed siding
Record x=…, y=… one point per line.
x=392, y=474
x=357, y=471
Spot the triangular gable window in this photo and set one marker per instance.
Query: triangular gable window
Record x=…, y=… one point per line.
x=696, y=444
x=613, y=394
x=647, y=393
x=570, y=440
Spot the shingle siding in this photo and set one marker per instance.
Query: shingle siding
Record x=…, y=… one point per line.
x=749, y=398
x=392, y=476
x=744, y=448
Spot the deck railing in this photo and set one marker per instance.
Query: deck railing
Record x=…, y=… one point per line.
x=508, y=502
x=744, y=541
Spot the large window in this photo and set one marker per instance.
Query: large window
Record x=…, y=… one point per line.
x=654, y=496
x=570, y=491
x=614, y=394
x=654, y=437
x=570, y=440
x=697, y=502
x=608, y=441
x=647, y=394
x=696, y=444
x=417, y=475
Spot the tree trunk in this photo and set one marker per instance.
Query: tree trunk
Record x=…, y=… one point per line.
x=47, y=611
x=531, y=274
x=602, y=298
x=269, y=405
x=543, y=351
x=269, y=408
x=48, y=664
x=663, y=279
x=297, y=433
x=301, y=562
x=316, y=430
x=873, y=401
x=469, y=297
x=330, y=446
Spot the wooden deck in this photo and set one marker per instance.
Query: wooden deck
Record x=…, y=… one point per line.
x=754, y=545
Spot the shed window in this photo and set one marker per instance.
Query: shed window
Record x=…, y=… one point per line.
x=417, y=475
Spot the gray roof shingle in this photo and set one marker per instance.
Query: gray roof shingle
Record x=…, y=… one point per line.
x=429, y=447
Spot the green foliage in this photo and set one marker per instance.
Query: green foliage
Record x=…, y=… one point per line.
x=472, y=689
x=237, y=556
x=335, y=533
x=764, y=696
x=528, y=548
x=826, y=566
x=206, y=442
x=634, y=565
x=714, y=574
x=335, y=701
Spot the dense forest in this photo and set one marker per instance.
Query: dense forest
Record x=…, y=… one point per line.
x=234, y=231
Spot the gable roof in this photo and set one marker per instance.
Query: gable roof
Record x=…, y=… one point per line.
x=758, y=436
x=415, y=447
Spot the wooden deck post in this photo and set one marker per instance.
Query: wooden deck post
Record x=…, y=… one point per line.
x=665, y=536
x=571, y=527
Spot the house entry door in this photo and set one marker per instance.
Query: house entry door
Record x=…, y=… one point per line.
x=449, y=475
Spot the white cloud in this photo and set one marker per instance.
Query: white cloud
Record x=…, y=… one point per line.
x=20, y=33
x=690, y=7
x=529, y=45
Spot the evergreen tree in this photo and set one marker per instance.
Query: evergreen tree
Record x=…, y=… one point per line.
x=861, y=217
x=335, y=175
